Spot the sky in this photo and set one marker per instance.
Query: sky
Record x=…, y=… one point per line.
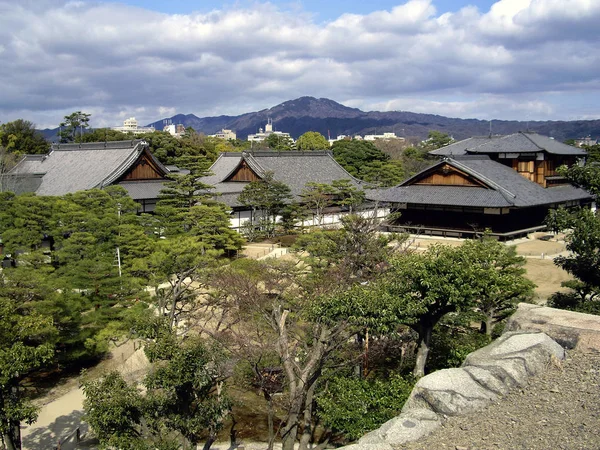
x=507, y=59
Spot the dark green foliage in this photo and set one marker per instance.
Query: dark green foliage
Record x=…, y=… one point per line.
x=104, y=135
x=451, y=342
x=267, y=197
x=366, y=162
x=186, y=206
x=354, y=406
x=277, y=142
x=435, y=140
x=21, y=137
x=65, y=248
x=169, y=149
x=74, y=124
x=25, y=345
x=185, y=391
x=114, y=411
x=581, y=298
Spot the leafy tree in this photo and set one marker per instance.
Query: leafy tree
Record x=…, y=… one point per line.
x=317, y=197
x=583, y=242
x=185, y=388
x=347, y=194
x=281, y=143
x=354, y=155
x=71, y=124
x=178, y=263
x=114, y=410
x=183, y=192
x=354, y=406
x=435, y=140
x=500, y=278
x=417, y=290
x=312, y=140
x=268, y=197
x=25, y=345
x=7, y=162
x=21, y=137
x=104, y=134
x=211, y=226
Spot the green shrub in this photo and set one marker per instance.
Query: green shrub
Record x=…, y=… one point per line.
x=451, y=345
x=354, y=406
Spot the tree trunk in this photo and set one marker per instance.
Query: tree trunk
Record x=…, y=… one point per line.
x=210, y=440
x=307, y=428
x=270, y=420
x=487, y=325
x=290, y=431
x=425, y=330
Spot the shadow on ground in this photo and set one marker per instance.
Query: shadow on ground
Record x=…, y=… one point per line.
x=64, y=428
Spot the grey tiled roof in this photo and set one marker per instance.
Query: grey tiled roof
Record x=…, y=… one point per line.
x=513, y=143
x=504, y=188
x=142, y=190
x=295, y=169
x=76, y=167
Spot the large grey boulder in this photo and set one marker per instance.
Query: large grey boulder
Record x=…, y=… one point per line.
x=514, y=357
x=570, y=329
x=449, y=392
x=407, y=427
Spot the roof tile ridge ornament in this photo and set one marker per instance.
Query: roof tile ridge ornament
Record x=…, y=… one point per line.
x=508, y=195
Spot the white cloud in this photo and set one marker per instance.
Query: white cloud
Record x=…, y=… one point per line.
x=117, y=61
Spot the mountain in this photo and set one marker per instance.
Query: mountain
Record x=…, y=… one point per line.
x=327, y=116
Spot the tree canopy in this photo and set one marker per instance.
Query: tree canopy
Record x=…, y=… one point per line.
x=72, y=124
x=21, y=137
x=312, y=140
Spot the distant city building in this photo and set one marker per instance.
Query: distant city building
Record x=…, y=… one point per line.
x=587, y=141
x=174, y=130
x=225, y=134
x=262, y=135
x=131, y=126
x=340, y=137
x=385, y=136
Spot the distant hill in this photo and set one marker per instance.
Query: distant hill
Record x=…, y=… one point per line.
x=324, y=115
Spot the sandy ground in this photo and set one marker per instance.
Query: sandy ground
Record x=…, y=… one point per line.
x=547, y=277
x=61, y=410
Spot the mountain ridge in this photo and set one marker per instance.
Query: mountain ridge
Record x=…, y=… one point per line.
x=329, y=117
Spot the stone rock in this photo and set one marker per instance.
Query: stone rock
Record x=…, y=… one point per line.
x=570, y=329
x=449, y=392
x=378, y=446
x=514, y=356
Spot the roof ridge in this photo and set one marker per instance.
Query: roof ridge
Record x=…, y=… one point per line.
x=505, y=192
x=115, y=174
x=531, y=140
x=254, y=164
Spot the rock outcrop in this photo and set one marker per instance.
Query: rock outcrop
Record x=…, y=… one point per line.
x=570, y=329
x=484, y=376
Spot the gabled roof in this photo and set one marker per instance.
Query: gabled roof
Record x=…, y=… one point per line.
x=76, y=167
x=521, y=142
x=293, y=168
x=502, y=188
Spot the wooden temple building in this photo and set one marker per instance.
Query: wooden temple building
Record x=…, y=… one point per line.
x=70, y=168
x=506, y=184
